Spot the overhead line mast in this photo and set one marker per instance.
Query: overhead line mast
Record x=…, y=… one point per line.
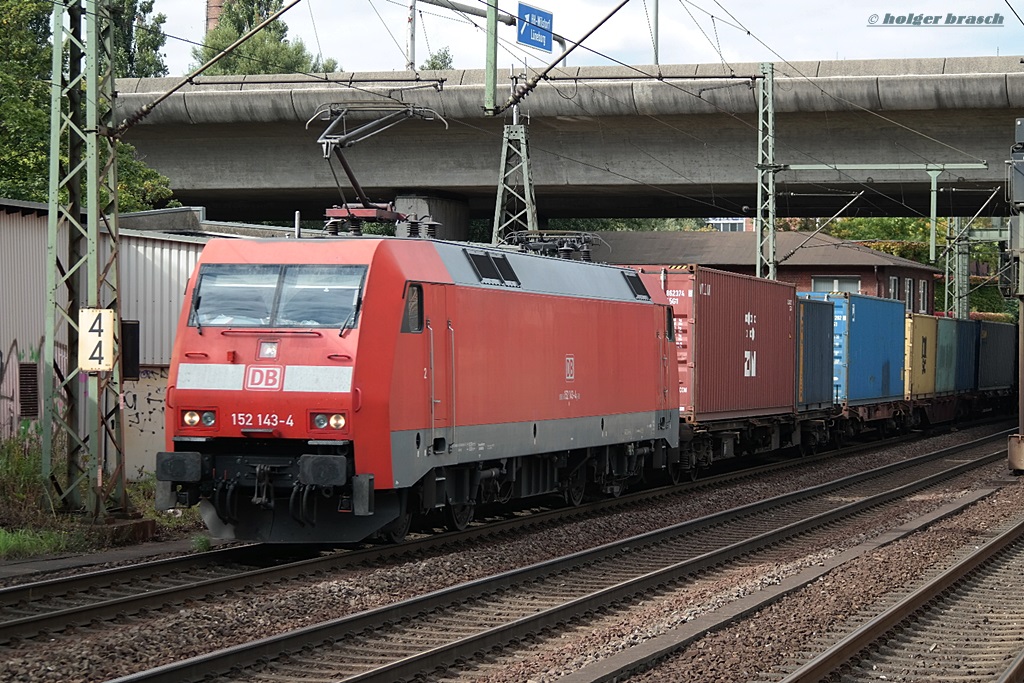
x=82, y=347
x=82, y=441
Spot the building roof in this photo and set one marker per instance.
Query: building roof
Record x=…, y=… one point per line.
x=737, y=249
x=24, y=208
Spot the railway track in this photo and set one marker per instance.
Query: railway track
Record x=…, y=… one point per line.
x=426, y=634
x=50, y=606
x=961, y=625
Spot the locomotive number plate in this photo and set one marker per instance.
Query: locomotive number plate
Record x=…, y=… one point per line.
x=261, y=420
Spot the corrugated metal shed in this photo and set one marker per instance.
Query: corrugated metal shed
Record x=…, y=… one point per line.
x=154, y=269
x=22, y=272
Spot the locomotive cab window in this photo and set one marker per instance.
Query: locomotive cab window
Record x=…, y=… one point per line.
x=412, y=319
x=241, y=295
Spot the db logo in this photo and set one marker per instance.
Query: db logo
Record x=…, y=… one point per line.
x=570, y=368
x=264, y=377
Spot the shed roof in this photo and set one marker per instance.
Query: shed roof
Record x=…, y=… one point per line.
x=794, y=249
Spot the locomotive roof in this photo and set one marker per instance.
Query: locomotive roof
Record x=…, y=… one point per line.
x=542, y=274
x=467, y=264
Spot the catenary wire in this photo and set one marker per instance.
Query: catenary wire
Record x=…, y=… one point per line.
x=389, y=97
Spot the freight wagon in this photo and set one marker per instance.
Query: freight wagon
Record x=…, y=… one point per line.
x=735, y=339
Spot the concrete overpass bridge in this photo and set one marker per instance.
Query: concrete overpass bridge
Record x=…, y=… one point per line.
x=605, y=142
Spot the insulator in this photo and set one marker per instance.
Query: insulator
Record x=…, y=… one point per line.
x=565, y=252
x=585, y=254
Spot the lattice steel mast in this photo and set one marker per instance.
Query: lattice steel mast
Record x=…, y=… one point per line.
x=764, y=221
x=81, y=373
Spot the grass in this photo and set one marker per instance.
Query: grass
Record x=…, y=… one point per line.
x=24, y=543
x=30, y=527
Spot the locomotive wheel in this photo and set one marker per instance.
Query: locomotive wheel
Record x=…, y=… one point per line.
x=458, y=517
x=577, y=488
x=398, y=529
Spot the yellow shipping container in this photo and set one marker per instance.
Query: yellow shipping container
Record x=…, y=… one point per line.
x=922, y=342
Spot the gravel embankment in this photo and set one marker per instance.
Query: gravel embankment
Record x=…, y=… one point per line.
x=92, y=654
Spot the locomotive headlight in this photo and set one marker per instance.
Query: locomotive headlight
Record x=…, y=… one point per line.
x=209, y=418
x=190, y=418
x=337, y=421
x=320, y=421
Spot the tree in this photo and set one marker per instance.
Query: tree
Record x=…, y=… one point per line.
x=442, y=59
x=138, y=39
x=24, y=99
x=917, y=229
x=139, y=187
x=269, y=51
x=25, y=115
x=631, y=224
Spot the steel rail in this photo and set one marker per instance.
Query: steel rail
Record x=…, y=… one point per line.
x=327, y=632
x=62, y=618
x=830, y=660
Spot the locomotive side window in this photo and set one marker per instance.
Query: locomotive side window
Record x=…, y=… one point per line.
x=412, y=320
x=239, y=295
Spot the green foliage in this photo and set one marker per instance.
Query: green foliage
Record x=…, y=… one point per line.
x=269, y=51
x=25, y=543
x=142, y=499
x=201, y=543
x=24, y=99
x=913, y=229
x=138, y=186
x=915, y=251
x=138, y=39
x=988, y=299
x=22, y=488
x=629, y=224
x=442, y=59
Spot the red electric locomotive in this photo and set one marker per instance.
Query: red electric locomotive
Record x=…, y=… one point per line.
x=329, y=390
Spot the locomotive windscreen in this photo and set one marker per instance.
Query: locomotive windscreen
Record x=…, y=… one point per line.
x=243, y=295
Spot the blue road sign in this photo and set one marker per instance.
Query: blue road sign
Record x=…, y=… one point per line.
x=534, y=27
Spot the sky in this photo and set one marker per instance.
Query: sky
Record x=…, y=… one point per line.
x=372, y=35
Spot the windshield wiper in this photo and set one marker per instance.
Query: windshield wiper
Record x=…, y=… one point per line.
x=196, y=300
x=351, y=319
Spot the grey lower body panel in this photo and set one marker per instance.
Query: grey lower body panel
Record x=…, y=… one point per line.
x=482, y=443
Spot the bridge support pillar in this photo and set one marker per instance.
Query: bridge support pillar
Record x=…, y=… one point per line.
x=452, y=214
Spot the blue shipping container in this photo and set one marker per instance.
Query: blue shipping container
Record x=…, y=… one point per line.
x=966, y=355
x=814, y=355
x=868, y=347
x=945, y=357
